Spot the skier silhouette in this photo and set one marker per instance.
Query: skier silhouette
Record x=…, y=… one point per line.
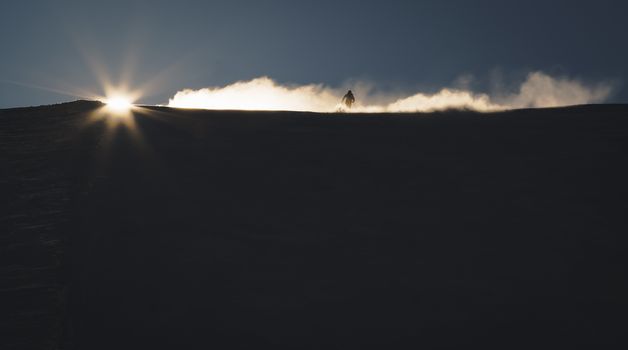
x=348, y=99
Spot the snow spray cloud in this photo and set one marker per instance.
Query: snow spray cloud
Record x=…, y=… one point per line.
x=538, y=90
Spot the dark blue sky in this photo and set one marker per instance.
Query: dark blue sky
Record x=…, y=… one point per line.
x=394, y=44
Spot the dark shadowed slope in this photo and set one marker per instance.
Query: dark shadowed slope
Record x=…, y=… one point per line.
x=298, y=230
x=37, y=184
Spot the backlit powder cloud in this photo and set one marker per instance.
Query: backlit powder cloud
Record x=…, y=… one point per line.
x=538, y=90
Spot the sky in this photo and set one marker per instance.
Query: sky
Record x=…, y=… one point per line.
x=56, y=51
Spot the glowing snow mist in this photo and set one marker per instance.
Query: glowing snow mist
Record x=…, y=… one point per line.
x=538, y=90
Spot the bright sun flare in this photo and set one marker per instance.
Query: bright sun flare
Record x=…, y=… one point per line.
x=119, y=104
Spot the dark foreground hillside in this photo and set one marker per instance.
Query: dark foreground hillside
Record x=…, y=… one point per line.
x=260, y=230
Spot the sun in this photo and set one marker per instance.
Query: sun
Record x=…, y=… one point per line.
x=119, y=103
x=118, y=106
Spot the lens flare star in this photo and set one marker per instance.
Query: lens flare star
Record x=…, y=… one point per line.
x=119, y=104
